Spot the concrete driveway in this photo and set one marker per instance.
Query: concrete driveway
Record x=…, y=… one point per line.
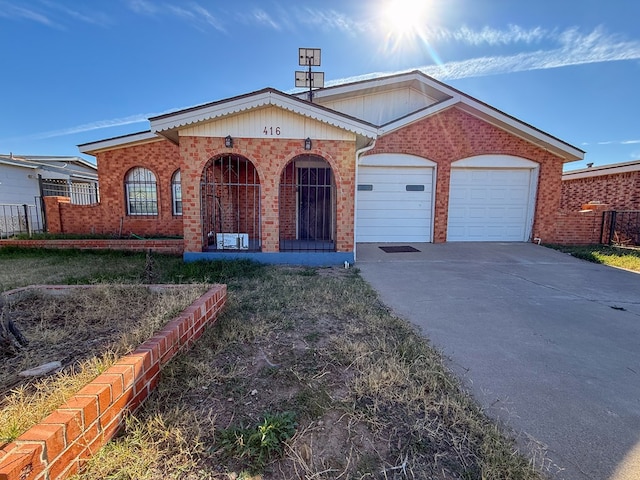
x=548, y=344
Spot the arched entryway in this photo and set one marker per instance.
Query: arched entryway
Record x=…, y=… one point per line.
x=307, y=205
x=230, y=205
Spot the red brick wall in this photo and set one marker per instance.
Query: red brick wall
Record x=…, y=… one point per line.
x=453, y=135
x=578, y=228
x=620, y=191
x=269, y=156
x=169, y=246
x=110, y=215
x=56, y=448
x=287, y=201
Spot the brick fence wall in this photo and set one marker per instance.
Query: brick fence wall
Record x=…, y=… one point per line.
x=57, y=447
x=620, y=191
x=169, y=246
x=577, y=228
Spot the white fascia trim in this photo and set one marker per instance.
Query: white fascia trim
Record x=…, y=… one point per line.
x=17, y=164
x=521, y=129
x=419, y=115
x=601, y=171
x=84, y=163
x=339, y=90
x=84, y=177
x=375, y=83
x=51, y=175
x=220, y=109
x=57, y=162
x=117, y=142
x=260, y=100
x=335, y=119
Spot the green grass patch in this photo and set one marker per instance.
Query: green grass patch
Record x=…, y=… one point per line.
x=256, y=446
x=620, y=257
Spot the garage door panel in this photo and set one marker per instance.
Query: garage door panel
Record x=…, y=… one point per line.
x=488, y=204
x=390, y=211
x=394, y=197
x=393, y=180
x=411, y=215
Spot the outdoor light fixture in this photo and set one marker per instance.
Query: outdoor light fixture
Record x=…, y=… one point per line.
x=228, y=141
x=307, y=144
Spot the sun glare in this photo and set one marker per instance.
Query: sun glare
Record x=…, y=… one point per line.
x=405, y=17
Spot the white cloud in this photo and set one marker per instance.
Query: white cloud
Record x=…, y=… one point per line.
x=192, y=12
x=51, y=14
x=489, y=36
x=263, y=18
x=209, y=18
x=329, y=20
x=11, y=11
x=142, y=6
x=94, y=18
x=97, y=125
x=630, y=142
x=575, y=49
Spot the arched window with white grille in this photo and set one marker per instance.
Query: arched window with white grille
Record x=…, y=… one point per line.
x=141, y=192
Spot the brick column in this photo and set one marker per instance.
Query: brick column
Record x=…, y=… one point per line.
x=52, y=213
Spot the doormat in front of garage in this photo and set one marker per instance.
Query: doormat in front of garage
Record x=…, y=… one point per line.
x=399, y=249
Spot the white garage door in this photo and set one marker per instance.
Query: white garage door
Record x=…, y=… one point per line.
x=489, y=205
x=394, y=204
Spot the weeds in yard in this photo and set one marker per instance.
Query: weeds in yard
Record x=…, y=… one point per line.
x=258, y=445
x=27, y=405
x=626, y=258
x=86, y=330
x=371, y=398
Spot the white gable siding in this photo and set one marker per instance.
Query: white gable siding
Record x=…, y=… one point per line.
x=16, y=187
x=270, y=122
x=383, y=107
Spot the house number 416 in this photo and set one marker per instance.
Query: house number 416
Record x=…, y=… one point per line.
x=271, y=131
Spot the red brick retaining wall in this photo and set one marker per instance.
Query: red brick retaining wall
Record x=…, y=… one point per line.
x=56, y=447
x=171, y=246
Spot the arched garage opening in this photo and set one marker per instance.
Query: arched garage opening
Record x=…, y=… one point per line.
x=395, y=198
x=230, y=205
x=492, y=199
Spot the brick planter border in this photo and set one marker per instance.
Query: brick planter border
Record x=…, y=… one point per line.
x=56, y=447
x=171, y=246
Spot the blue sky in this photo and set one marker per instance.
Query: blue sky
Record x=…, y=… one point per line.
x=75, y=71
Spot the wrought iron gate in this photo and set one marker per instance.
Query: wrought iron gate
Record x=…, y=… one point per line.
x=621, y=228
x=230, y=205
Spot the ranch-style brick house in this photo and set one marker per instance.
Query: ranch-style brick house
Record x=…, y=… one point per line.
x=275, y=177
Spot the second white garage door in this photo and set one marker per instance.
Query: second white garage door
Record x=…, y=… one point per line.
x=488, y=204
x=394, y=204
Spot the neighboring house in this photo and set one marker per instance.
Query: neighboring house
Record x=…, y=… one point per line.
x=616, y=185
x=25, y=179
x=272, y=176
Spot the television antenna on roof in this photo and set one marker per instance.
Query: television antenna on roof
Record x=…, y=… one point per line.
x=309, y=57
